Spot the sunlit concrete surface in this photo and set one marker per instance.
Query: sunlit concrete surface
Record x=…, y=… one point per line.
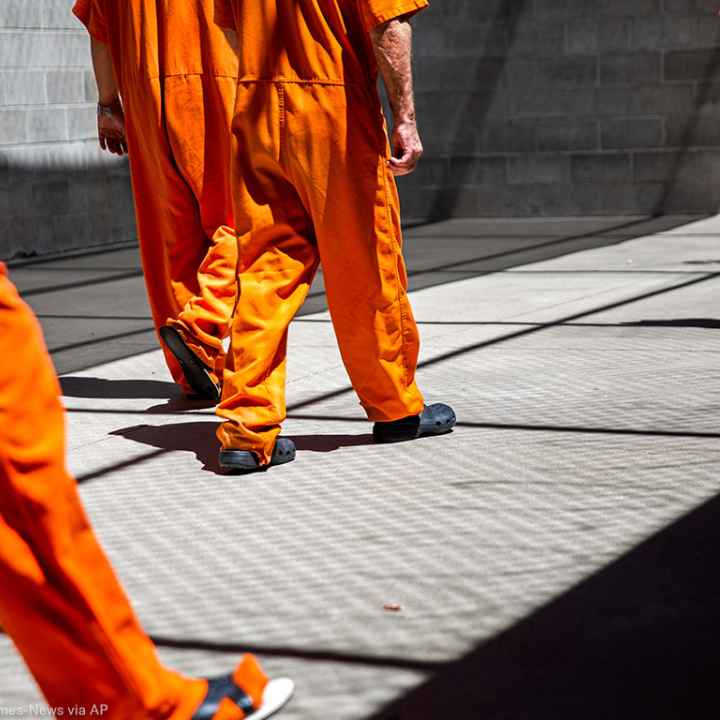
x=582, y=360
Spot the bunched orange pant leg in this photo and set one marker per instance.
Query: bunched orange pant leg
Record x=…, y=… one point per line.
x=312, y=184
x=60, y=601
x=179, y=138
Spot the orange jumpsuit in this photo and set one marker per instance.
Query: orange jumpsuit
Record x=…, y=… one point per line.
x=177, y=76
x=60, y=601
x=311, y=183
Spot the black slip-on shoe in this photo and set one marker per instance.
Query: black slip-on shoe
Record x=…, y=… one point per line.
x=436, y=419
x=196, y=372
x=275, y=697
x=245, y=461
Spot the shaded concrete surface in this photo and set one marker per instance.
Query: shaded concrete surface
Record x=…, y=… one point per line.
x=553, y=557
x=93, y=307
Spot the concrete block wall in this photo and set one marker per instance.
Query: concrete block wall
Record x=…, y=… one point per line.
x=58, y=191
x=567, y=107
x=527, y=107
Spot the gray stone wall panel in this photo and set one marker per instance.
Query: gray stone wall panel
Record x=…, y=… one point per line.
x=58, y=191
x=527, y=107
x=16, y=14
x=580, y=102
x=601, y=168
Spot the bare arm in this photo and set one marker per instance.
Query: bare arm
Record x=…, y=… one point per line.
x=107, y=86
x=392, y=42
x=111, y=120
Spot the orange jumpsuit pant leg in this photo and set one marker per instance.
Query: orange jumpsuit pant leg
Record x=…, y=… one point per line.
x=60, y=601
x=278, y=261
x=198, y=116
x=355, y=211
x=180, y=174
x=331, y=145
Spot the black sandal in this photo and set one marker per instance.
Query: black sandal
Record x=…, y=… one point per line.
x=196, y=372
x=275, y=696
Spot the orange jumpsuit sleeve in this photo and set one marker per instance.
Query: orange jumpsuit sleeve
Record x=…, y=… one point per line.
x=224, y=15
x=377, y=12
x=92, y=17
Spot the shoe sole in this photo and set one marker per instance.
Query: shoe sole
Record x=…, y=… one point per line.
x=406, y=438
x=195, y=372
x=276, y=695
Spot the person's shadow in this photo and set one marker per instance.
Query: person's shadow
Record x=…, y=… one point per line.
x=199, y=437
x=93, y=387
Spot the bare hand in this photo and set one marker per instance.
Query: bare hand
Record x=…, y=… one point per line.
x=111, y=129
x=406, y=146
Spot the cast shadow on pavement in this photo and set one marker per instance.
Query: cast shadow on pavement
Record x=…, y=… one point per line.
x=94, y=387
x=330, y=443
x=199, y=438
x=638, y=640
x=709, y=323
x=195, y=437
x=101, y=388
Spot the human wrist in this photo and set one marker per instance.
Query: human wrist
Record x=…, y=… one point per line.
x=403, y=109
x=109, y=109
x=109, y=102
x=404, y=118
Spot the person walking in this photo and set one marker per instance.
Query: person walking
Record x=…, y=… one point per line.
x=313, y=181
x=166, y=79
x=61, y=602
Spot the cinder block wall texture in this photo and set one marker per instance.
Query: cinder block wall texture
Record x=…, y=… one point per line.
x=567, y=107
x=58, y=191
x=527, y=107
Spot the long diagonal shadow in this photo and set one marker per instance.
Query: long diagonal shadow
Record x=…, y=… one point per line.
x=543, y=427
x=604, y=237
x=546, y=250
x=522, y=333
x=506, y=19
x=317, y=655
x=114, y=467
x=32, y=263
x=704, y=93
x=82, y=283
x=707, y=323
x=635, y=641
x=103, y=339
x=424, y=277
x=292, y=409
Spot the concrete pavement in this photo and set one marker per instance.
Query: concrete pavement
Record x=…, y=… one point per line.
x=581, y=357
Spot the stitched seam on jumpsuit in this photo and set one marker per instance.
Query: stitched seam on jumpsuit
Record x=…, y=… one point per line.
x=237, y=283
x=282, y=121
x=195, y=74
x=297, y=81
x=403, y=319
x=281, y=144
